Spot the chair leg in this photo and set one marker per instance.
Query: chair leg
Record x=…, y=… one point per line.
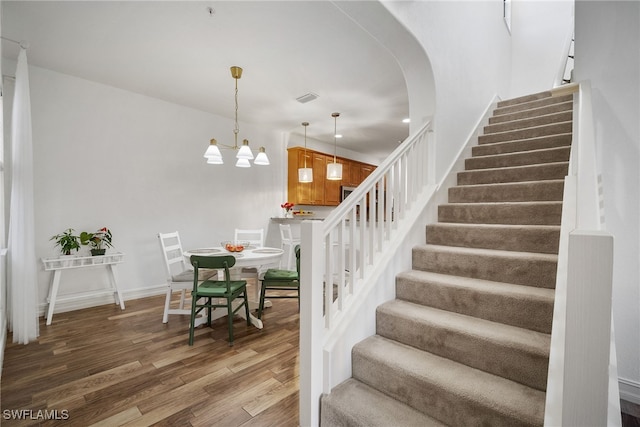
x=246, y=307
x=193, y=319
x=261, y=304
x=167, y=302
x=230, y=320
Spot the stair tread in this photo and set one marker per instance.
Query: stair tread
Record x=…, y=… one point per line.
x=525, y=122
x=366, y=406
x=521, y=153
x=535, y=165
x=535, y=202
x=534, y=256
x=520, y=338
x=525, y=140
x=512, y=184
x=557, y=107
x=481, y=284
x=497, y=226
x=473, y=386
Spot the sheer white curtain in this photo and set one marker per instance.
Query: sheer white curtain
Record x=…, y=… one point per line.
x=22, y=263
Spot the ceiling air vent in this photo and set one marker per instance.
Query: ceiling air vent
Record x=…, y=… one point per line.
x=306, y=97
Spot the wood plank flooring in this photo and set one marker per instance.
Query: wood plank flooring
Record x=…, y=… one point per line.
x=107, y=367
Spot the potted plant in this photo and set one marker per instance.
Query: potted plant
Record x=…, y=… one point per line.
x=67, y=241
x=99, y=241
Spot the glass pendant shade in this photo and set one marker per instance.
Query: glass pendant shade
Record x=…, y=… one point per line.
x=215, y=160
x=261, y=158
x=243, y=163
x=212, y=150
x=245, y=152
x=305, y=175
x=334, y=171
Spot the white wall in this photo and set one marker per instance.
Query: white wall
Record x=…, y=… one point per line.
x=607, y=51
x=108, y=157
x=470, y=52
x=541, y=32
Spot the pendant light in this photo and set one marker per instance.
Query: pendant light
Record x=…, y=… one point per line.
x=334, y=170
x=244, y=154
x=305, y=174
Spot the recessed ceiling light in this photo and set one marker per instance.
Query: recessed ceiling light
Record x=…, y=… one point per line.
x=407, y=120
x=306, y=97
x=338, y=135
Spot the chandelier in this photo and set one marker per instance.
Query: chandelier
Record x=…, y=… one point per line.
x=244, y=154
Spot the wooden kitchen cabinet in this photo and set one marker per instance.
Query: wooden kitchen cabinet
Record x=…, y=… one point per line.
x=321, y=192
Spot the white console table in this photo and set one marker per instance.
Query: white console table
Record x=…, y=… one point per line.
x=58, y=265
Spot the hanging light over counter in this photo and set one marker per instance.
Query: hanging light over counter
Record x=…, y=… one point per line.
x=334, y=170
x=244, y=154
x=305, y=174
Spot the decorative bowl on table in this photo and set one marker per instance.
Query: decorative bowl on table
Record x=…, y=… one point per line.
x=234, y=246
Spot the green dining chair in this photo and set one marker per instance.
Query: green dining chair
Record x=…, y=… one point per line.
x=205, y=294
x=280, y=280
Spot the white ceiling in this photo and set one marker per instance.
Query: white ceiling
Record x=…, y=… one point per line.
x=180, y=52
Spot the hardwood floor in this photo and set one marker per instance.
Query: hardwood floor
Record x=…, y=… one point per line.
x=107, y=367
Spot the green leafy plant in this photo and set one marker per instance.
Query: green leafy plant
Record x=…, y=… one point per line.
x=101, y=239
x=67, y=241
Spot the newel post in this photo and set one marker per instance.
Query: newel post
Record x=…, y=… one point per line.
x=588, y=328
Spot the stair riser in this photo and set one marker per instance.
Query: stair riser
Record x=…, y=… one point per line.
x=525, y=271
x=515, y=174
x=502, y=110
x=506, y=239
x=522, y=310
x=541, y=143
x=563, y=116
x=498, y=358
x=550, y=109
x=552, y=155
x=420, y=392
x=543, y=213
x=534, y=132
x=520, y=192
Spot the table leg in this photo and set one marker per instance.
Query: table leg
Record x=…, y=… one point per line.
x=53, y=294
x=114, y=283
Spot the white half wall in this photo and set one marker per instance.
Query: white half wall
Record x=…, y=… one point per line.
x=607, y=52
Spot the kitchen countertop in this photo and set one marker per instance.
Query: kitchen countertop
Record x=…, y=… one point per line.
x=296, y=218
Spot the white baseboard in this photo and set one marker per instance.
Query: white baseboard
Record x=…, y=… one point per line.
x=82, y=300
x=629, y=390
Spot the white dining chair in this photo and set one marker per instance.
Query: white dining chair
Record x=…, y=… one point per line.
x=179, y=274
x=288, y=243
x=255, y=238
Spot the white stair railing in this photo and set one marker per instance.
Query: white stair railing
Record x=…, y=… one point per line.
x=582, y=380
x=341, y=256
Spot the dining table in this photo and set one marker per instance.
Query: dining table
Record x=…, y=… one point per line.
x=260, y=258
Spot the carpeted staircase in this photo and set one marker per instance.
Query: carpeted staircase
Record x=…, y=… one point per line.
x=466, y=342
